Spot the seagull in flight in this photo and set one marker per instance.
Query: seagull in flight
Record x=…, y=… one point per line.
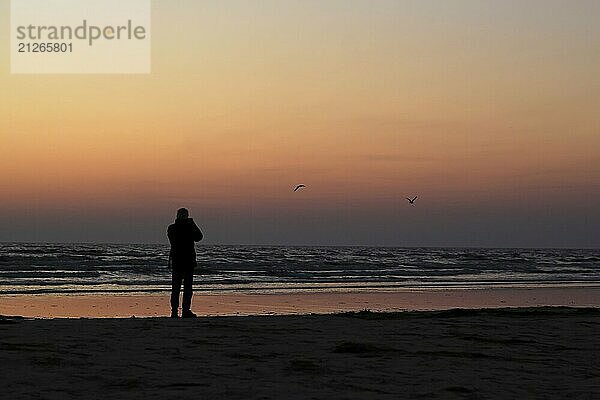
x=299, y=187
x=411, y=201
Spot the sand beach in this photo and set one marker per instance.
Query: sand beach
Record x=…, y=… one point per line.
x=501, y=353
x=516, y=347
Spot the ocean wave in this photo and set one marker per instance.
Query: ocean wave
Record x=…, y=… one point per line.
x=73, y=267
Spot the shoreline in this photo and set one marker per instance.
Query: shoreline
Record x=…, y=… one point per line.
x=156, y=305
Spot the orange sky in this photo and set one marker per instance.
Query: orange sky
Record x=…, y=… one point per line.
x=470, y=105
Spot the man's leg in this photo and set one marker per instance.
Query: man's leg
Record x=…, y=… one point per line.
x=188, y=281
x=175, y=290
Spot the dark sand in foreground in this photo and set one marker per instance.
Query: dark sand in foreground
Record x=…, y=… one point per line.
x=524, y=353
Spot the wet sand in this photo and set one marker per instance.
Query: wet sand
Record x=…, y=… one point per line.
x=109, y=306
x=489, y=354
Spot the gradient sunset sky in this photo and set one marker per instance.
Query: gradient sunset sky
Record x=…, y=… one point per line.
x=489, y=111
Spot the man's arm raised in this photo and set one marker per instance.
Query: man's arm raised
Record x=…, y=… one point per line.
x=196, y=232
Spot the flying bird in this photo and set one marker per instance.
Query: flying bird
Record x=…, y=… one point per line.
x=299, y=187
x=411, y=201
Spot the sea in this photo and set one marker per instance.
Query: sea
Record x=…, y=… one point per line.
x=143, y=268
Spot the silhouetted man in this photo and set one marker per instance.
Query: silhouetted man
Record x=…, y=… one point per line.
x=182, y=259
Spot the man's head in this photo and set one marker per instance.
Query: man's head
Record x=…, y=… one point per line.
x=183, y=213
